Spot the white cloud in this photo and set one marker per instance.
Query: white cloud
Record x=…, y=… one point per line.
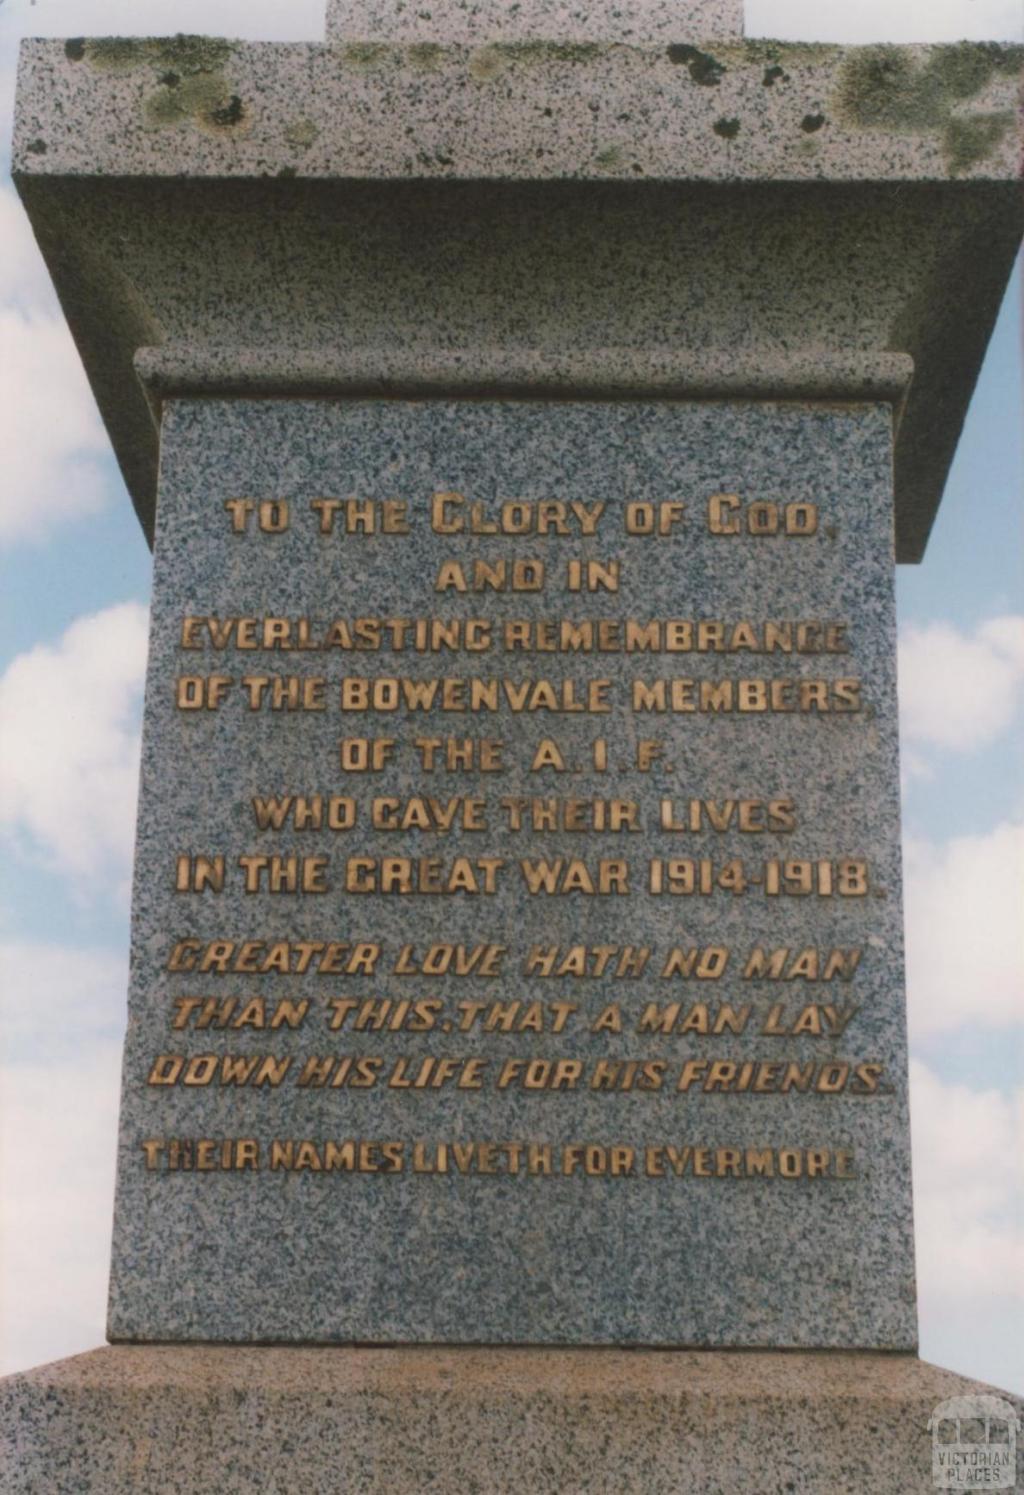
x=54, y=998
x=53, y=440
x=965, y=933
x=58, y=1129
x=959, y=690
x=27, y=285
x=968, y=1191
x=69, y=745
x=50, y=432
x=881, y=20
x=61, y=1020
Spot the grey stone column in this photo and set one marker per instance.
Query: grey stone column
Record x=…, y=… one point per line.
x=532, y=400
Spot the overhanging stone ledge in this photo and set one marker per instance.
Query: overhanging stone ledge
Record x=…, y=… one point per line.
x=173, y=370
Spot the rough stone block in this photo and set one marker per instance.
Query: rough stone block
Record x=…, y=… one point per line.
x=145, y=1421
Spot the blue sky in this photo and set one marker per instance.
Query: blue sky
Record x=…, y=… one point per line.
x=74, y=579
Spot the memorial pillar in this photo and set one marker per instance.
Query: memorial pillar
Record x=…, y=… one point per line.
x=528, y=410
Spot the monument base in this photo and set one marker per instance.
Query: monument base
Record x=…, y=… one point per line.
x=161, y=1417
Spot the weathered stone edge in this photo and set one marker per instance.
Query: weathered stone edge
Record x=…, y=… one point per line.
x=772, y=1376
x=529, y=111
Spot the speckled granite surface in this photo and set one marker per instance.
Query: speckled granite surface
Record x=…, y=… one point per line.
x=739, y=111
x=547, y=20
x=306, y=1253
x=156, y=1420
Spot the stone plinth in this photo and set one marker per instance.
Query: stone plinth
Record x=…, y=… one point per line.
x=143, y=1421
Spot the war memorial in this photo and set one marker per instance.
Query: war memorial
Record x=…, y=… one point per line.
x=527, y=407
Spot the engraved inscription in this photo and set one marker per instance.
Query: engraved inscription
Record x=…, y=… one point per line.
x=313, y=840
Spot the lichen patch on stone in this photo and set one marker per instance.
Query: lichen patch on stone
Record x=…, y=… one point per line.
x=885, y=87
x=486, y=63
x=970, y=139
x=190, y=85
x=302, y=133
x=426, y=55
x=207, y=100
x=768, y=52
x=541, y=51
x=184, y=54
x=364, y=54
x=702, y=67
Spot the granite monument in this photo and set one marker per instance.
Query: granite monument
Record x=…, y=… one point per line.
x=527, y=408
